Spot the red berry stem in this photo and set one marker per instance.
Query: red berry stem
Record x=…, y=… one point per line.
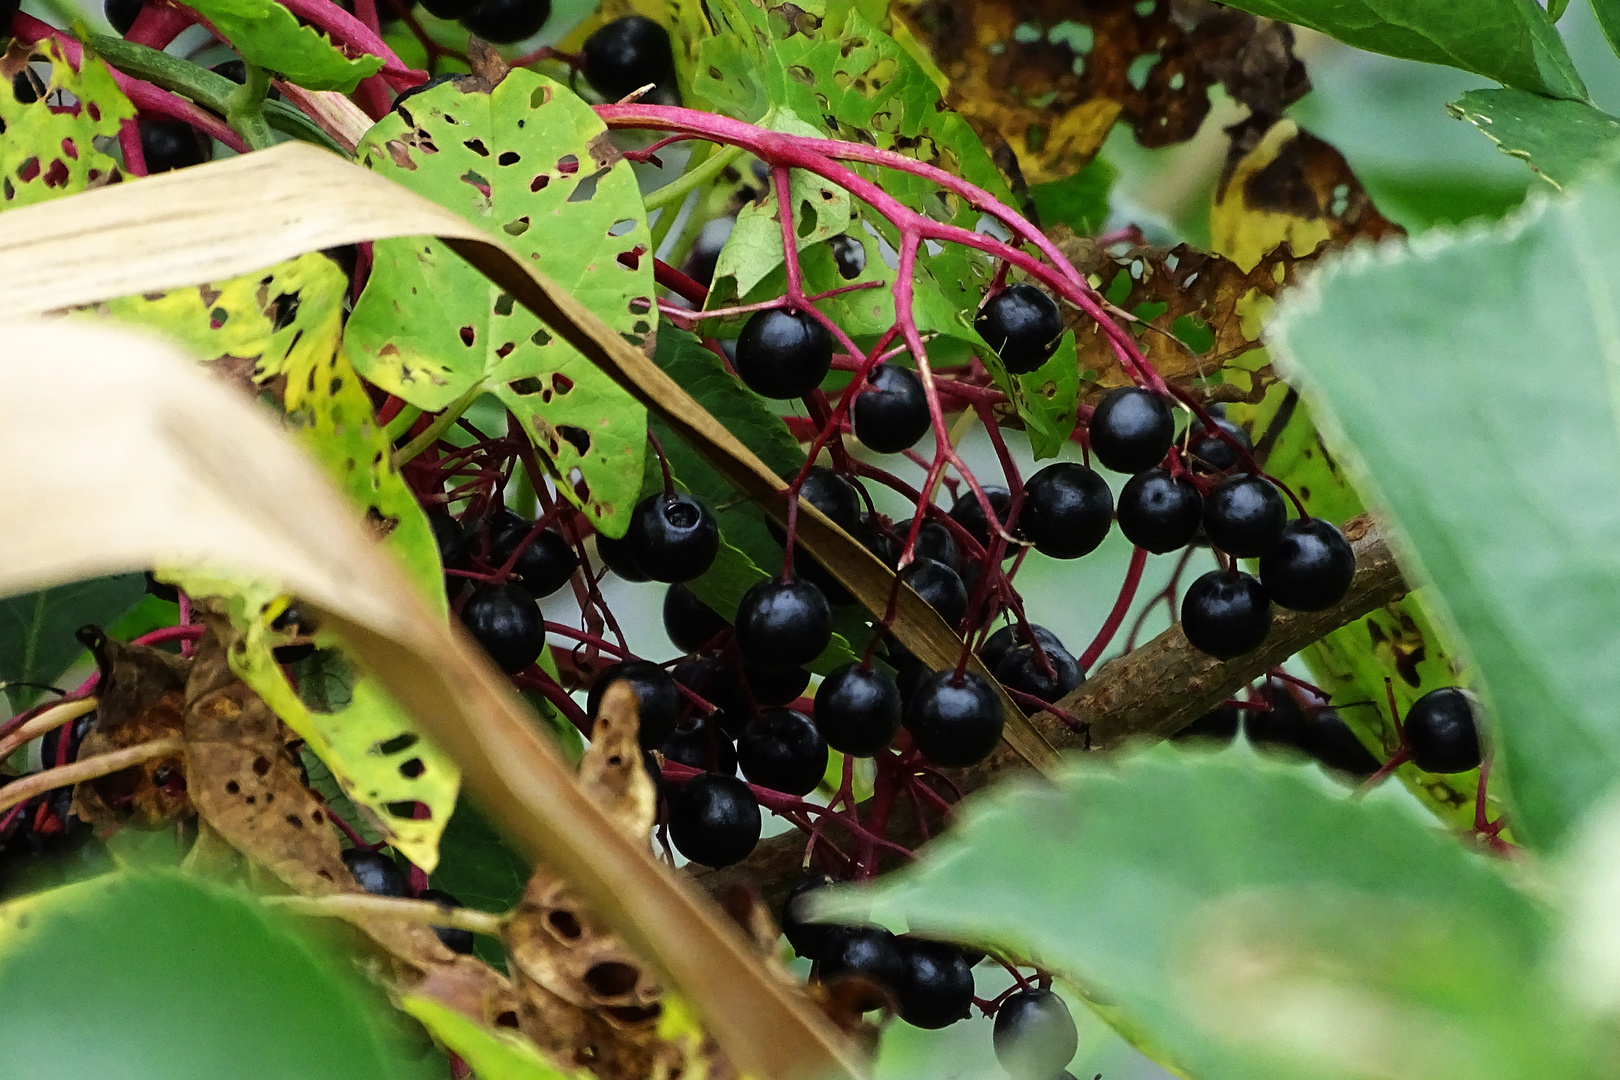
x=1122, y=604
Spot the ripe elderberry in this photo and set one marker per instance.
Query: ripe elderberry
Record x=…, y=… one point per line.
x=627, y=54
x=955, y=719
x=507, y=21
x=868, y=951
x=1023, y=325
x=545, y=565
x=783, y=751
x=689, y=622
x=714, y=820
x=673, y=537
x=451, y=539
x=705, y=254
x=891, y=413
x=967, y=512
x=1131, y=430
x=120, y=13
x=783, y=624
x=1035, y=1036
x=1244, y=515
x=775, y=686
x=701, y=744
x=457, y=941
x=507, y=622
x=783, y=354
x=937, y=989
x=939, y=586
x=1225, y=614
x=173, y=144
x=1020, y=669
x=1209, y=451
x=808, y=939
x=999, y=644
x=1442, y=728
x=1281, y=726
x=658, y=699
x=1330, y=741
x=619, y=556
x=858, y=709
x=1159, y=512
x=1067, y=510
x=934, y=541
x=832, y=495
x=1310, y=567
x=1220, y=724
x=375, y=872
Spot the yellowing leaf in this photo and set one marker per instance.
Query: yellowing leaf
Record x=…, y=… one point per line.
x=47, y=151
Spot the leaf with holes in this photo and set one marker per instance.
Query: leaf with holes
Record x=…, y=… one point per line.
x=269, y=35
x=48, y=151
x=530, y=162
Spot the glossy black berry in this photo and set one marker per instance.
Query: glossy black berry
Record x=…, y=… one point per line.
x=701, y=744
x=1442, y=728
x=1281, y=725
x=447, y=9
x=627, y=54
x=51, y=751
x=1159, y=512
x=375, y=872
x=868, y=951
x=808, y=939
x=934, y=541
x=1220, y=724
x=783, y=624
x=618, y=556
x=162, y=589
x=715, y=680
x=832, y=495
x=1310, y=567
x=1023, y=325
x=967, y=512
x=783, y=354
x=937, y=990
x=658, y=699
x=940, y=587
x=451, y=539
x=1330, y=741
x=783, y=751
x=689, y=622
x=955, y=719
x=882, y=546
x=1067, y=510
x=891, y=413
x=1225, y=614
x=236, y=71
x=775, y=686
x=507, y=622
x=999, y=644
x=673, y=537
x=173, y=144
x=1023, y=671
x=1131, y=430
x=1244, y=515
x=545, y=565
x=714, y=820
x=1035, y=1036
x=508, y=21
x=457, y=941
x=120, y=13
x=1212, y=453
x=858, y=709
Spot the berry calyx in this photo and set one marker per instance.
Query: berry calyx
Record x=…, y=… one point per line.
x=784, y=751
x=1023, y=671
x=1067, y=510
x=955, y=719
x=937, y=989
x=868, y=951
x=1220, y=724
x=690, y=623
x=1225, y=614
x=999, y=644
x=1035, y=1036
x=714, y=820
x=506, y=22
x=701, y=744
x=658, y=699
x=967, y=512
x=627, y=54
x=1210, y=452
x=375, y=872
x=1159, y=512
x=1023, y=325
x=618, y=555
x=457, y=941
x=783, y=354
x=1131, y=430
x=507, y=622
x=858, y=710
x=783, y=624
x=939, y=586
x=173, y=144
x=1442, y=728
x=673, y=537
x=120, y=13
x=1310, y=567
x=891, y=413
x=545, y=565
x=807, y=938
x=1244, y=515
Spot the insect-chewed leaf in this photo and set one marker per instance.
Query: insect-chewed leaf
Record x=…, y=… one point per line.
x=611, y=771
x=269, y=35
x=530, y=162
x=48, y=150
x=491, y=1053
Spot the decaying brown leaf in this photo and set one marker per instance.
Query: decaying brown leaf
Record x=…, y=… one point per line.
x=1051, y=77
x=611, y=770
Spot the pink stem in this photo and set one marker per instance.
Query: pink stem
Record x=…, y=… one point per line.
x=129, y=140
x=1127, y=593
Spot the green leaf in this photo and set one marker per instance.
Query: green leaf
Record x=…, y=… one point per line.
x=36, y=630
x=480, y=869
x=491, y=1054
x=1500, y=482
x=158, y=977
x=48, y=152
x=1608, y=17
x=1250, y=924
x=1047, y=398
x=1559, y=139
x=1511, y=41
x=1079, y=201
x=269, y=36
x=532, y=163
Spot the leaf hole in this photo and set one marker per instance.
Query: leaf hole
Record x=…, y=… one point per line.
x=622, y=226
x=503, y=302
x=397, y=744
x=585, y=190
x=527, y=386
x=477, y=181
x=412, y=768
x=611, y=979
x=539, y=182
x=561, y=383
x=568, y=164
x=631, y=259
x=476, y=146
x=540, y=337
x=468, y=336
x=516, y=227
x=579, y=439
x=564, y=925
x=405, y=809
x=640, y=305
x=510, y=157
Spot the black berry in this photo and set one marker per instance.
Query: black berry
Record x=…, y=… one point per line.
x=867, y=951
x=783, y=354
x=1330, y=741
x=775, y=686
x=715, y=680
x=783, y=751
x=1225, y=614
x=457, y=941
x=627, y=54
x=714, y=820
x=1310, y=567
x=701, y=745
x=449, y=9
x=1022, y=324
x=891, y=413
x=858, y=710
x=451, y=539
x=967, y=512
x=1244, y=515
x=689, y=622
x=955, y=719
x=673, y=537
x=1035, y=1036
x=807, y=938
x=1159, y=512
x=832, y=495
x=618, y=556
x=1281, y=726
x=1220, y=724
x=783, y=623
x=545, y=565
x=658, y=699
x=507, y=21
x=1067, y=510
x=173, y=144
x=507, y=622
x=1023, y=671
x=424, y=87
x=375, y=872
x=1210, y=452
x=937, y=989
x=1131, y=430
x=934, y=541
x=236, y=71
x=162, y=589
x=120, y=13
x=939, y=586
x=51, y=751
x=1442, y=728
x=999, y=644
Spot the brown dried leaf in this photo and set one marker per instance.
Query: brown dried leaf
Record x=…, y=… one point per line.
x=611, y=771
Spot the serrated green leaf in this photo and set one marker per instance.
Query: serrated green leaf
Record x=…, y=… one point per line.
x=1079, y=201
x=1047, y=398
x=269, y=36
x=1503, y=499
x=491, y=1054
x=1559, y=139
x=36, y=630
x=48, y=152
x=532, y=163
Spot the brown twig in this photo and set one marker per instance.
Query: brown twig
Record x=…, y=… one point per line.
x=358, y=907
x=49, y=720
x=88, y=769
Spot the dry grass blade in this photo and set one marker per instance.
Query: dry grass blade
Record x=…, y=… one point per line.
x=128, y=456
x=239, y=215
x=88, y=769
